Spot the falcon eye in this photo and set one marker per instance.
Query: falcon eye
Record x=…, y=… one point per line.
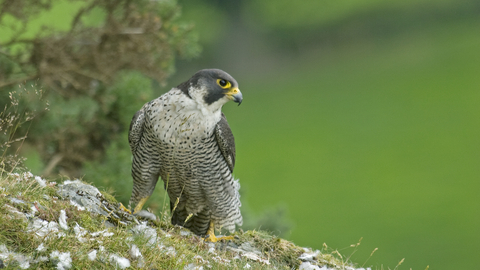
x=223, y=83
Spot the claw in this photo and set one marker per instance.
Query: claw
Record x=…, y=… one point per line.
x=210, y=237
x=123, y=208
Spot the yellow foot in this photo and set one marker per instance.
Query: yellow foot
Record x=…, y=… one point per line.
x=212, y=238
x=211, y=235
x=122, y=207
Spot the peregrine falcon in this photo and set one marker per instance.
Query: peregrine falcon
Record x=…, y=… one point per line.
x=184, y=138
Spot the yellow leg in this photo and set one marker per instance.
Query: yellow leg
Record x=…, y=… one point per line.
x=140, y=205
x=210, y=237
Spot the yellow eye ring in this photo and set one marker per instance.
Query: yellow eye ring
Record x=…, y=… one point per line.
x=224, y=83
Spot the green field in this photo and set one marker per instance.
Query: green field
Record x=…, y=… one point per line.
x=378, y=139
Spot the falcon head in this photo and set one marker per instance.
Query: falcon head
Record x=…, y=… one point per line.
x=211, y=88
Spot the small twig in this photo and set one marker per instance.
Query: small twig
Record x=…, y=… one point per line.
x=19, y=80
x=399, y=263
x=371, y=254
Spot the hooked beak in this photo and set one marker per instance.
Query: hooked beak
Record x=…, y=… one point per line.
x=235, y=95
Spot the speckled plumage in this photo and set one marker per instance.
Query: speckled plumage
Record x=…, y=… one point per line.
x=184, y=138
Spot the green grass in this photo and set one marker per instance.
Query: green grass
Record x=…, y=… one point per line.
x=377, y=139
x=172, y=250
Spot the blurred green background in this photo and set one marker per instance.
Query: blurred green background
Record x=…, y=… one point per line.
x=360, y=119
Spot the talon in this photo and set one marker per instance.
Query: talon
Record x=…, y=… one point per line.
x=123, y=208
x=210, y=237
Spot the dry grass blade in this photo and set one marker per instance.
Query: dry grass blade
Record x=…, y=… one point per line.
x=12, y=118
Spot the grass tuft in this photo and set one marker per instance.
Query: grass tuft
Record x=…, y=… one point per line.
x=25, y=201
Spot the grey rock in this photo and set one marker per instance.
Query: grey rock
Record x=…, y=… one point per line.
x=149, y=233
x=82, y=194
x=146, y=215
x=17, y=201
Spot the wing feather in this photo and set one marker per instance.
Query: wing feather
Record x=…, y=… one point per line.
x=136, y=130
x=225, y=141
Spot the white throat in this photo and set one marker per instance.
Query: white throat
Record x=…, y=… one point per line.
x=198, y=95
x=190, y=115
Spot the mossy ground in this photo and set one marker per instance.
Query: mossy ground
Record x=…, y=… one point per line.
x=23, y=198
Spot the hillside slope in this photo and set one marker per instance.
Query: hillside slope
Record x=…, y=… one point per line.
x=75, y=226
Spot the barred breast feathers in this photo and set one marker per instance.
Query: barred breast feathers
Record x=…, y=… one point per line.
x=188, y=136
x=180, y=118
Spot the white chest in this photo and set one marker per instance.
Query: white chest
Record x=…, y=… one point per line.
x=177, y=118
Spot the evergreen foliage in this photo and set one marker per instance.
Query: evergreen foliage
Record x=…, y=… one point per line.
x=96, y=60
